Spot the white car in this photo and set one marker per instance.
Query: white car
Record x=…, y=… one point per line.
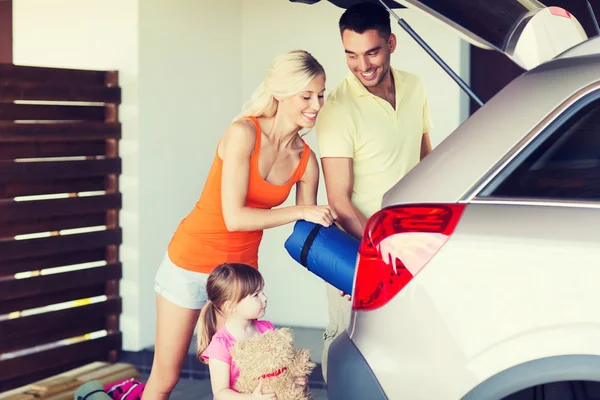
x=480, y=277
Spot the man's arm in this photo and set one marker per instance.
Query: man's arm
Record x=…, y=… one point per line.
x=339, y=181
x=425, y=145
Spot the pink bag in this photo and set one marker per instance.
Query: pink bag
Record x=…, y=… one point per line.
x=127, y=389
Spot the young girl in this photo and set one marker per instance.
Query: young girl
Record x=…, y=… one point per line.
x=235, y=294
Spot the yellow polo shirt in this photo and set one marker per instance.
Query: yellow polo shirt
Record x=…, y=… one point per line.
x=385, y=143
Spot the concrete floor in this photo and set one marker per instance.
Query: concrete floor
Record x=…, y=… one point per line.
x=192, y=389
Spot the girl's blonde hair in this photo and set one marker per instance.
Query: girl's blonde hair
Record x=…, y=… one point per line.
x=289, y=74
x=228, y=282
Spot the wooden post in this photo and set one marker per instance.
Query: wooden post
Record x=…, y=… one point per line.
x=6, y=32
x=112, y=216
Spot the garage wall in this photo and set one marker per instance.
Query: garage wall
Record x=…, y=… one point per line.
x=185, y=68
x=190, y=87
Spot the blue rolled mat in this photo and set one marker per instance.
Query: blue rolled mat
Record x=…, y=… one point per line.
x=330, y=253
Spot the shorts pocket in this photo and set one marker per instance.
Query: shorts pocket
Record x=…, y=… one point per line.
x=331, y=332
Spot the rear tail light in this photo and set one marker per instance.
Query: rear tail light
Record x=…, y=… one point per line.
x=561, y=12
x=397, y=243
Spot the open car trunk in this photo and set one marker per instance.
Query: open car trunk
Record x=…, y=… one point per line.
x=526, y=31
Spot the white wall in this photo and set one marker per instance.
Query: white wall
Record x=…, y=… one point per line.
x=271, y=27
x=185, y=69
x=190, y=62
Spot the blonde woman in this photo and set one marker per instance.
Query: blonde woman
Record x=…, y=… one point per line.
x=257, y=162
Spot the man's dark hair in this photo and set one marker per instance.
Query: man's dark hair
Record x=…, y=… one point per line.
x=364, y=16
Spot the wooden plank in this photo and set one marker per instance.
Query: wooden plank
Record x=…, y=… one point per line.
x=14, y=211
x=21, y=249
x=52, y=186
x=32, y=171
x=38, y=112
x=95, y=349
x=72, y=329
x=17, y=393
x=81, y=292
x=112, y=252
x=58, y=382
x=57, y=320
x=6, y=32
x=12, y=151
x=54, y=224
x=63, y=388
x=8, y=388
x=23, y=73
x=11, y=91
x=114, y=372
x=89, y=130
x=43, y=284
x=10, y=267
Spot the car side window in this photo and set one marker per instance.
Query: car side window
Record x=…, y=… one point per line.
x=562, y=163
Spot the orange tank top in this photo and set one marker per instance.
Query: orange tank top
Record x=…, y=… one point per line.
x=201, y=242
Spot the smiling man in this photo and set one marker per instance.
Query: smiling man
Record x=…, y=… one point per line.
x=372, y=130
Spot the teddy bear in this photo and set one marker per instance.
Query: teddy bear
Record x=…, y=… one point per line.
x=272, y=358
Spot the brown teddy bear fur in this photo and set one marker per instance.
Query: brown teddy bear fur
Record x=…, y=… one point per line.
x=273, y=358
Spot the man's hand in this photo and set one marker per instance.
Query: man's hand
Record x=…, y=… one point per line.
x=425, y=145
x=347, y=296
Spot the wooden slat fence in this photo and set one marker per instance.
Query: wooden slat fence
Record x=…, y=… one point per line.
x=59, y=228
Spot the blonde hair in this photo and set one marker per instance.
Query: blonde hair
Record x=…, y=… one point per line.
x=228, y=282
x=289, y=74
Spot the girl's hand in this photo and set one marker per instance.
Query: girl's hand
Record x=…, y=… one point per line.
x=301, y=380
x=257, y=394
x=323, y=215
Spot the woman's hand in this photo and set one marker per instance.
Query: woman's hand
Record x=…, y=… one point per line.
x=323, y=215
x=306, y=196
x=301, y=380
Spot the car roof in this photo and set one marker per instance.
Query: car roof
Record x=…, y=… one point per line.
x=588, y=48
x=466, y=156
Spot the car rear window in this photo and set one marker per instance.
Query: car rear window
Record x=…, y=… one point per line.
x=563, y=163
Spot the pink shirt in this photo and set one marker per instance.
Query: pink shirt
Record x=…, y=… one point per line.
x=222, y=341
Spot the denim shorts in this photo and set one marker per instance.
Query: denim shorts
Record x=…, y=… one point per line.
x=185, y=288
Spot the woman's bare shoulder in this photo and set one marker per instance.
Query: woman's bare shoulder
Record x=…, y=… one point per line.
x=240, y=135
x=242, y=128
